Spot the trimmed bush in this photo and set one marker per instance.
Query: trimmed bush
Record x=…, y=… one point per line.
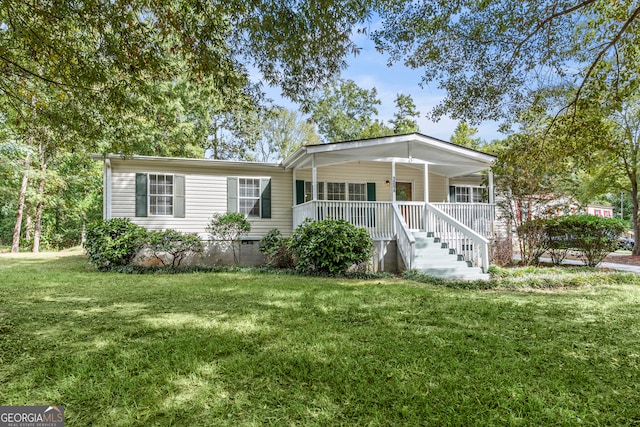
x=330, y=246
x=175, y=244
x=593, y=236
x=276, y=250
x=114, y=242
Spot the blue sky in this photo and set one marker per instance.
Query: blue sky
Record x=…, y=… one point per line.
x=369, y=69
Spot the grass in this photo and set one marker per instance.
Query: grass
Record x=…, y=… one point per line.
x=255, y=349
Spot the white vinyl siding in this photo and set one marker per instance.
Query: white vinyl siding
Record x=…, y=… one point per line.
x=205, y=193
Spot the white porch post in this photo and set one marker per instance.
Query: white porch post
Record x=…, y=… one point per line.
x=314, y=178
x=491, y=189
x=295, y=189
x=426, y=182
x=393, y=181
x=107, y=190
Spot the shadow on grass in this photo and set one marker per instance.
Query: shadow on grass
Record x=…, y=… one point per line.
x=243, y=349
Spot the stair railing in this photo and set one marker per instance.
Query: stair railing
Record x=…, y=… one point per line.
x=464, y=240
x=404, y=239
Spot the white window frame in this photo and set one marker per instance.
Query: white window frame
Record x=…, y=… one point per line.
x=256, y=198
x=308, y=192
x=471, y=193
x=169, y=196
x=363, y=195
x=323, y=191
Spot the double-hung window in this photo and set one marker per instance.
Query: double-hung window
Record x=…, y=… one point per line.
x=336, y=191
x=249, y=196
x=468, y=194
x=160, y=195
x=357, y=192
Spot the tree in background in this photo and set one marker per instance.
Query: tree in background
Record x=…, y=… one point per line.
x=492, y=57
x=342, y=110
x=464, y=135
x=404, y=119
x=281, y=133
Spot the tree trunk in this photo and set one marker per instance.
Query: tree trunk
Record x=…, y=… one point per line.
x=636, y=225
x=39, y=206
x=15, y=245
x=28, y=228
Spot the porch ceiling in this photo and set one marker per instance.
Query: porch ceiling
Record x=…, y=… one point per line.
x=442, y=157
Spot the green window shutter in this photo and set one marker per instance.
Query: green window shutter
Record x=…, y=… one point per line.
x=178, y=196
x=265, y=198
x=299, y=192
x=452, y=194
x=371, y=191
x=232, y=194
x=141, y=194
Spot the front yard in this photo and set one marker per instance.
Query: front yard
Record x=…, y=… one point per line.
x=253, y=349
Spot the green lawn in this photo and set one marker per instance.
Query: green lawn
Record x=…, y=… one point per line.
x=254, y=349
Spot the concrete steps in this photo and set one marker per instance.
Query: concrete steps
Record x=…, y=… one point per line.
x=435, y=258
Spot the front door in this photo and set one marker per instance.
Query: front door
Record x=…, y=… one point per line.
x=403, y=191
x=403, y=194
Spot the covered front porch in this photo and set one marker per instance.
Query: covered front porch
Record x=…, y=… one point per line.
x=397, y=187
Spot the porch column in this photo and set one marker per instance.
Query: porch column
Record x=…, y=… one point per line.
x=426, y=182
x=491, y=188
x=393, y=181
x=295, y=188
x=314, y=178
x=107, y=197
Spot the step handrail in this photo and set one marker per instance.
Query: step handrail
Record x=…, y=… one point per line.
x=405, y=240
x=464, y=230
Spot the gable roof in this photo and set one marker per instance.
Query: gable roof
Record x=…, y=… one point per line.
x=442, y=157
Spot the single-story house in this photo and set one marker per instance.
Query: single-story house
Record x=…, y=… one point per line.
x=427, y=204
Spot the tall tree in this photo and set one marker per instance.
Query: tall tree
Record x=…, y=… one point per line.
x=104, y=55
x=343, y=111
x=404, y=119
x=282, y=132
x=464, y=135
x=492, y=56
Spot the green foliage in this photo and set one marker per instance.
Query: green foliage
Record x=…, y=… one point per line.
x=343, y=111
x=464, y=135
x=330, y=246
x=532, y=238
x=114, y=242
x=592, y=236
x=281, y=133
x=276, y=249
x=488, y=56
x=173, y=243
x=404, y=119
x=227, y=229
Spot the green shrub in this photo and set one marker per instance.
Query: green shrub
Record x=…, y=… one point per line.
x=227, y=229
x=276, y=249
x=593, y=236
x=330, y=246
x=174, y=243
x=114, y=242
x=532, y=237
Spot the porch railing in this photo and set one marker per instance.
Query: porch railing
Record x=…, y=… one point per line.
x=375, y=217
x=465, y=230
x=405, y=241
x=480, y=217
